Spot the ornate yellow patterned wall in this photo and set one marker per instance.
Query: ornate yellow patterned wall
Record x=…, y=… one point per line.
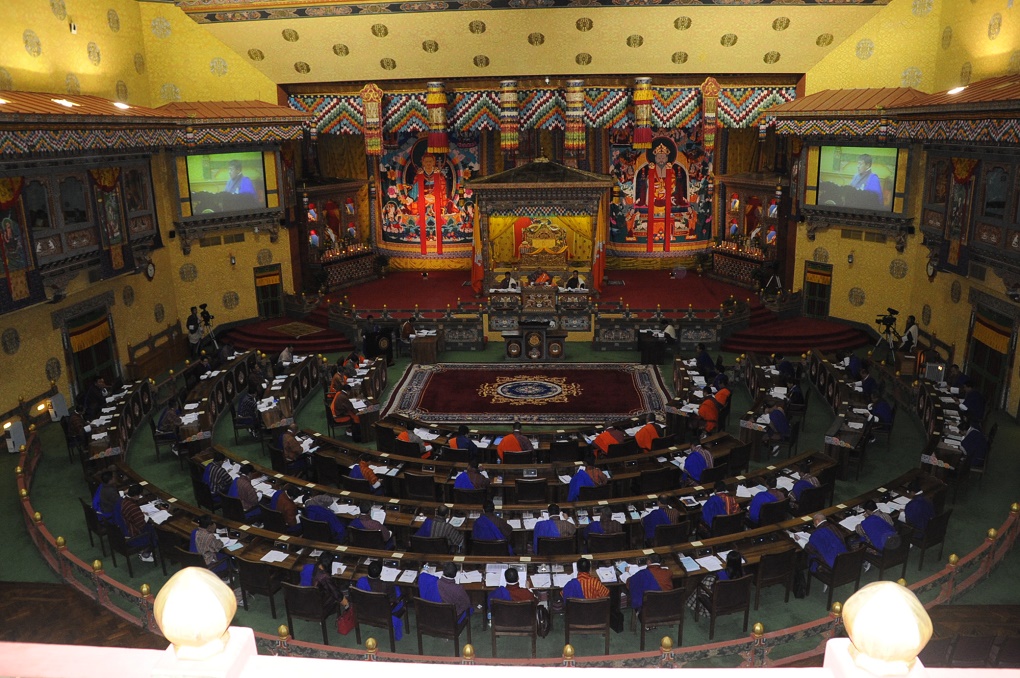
x=977, y=40
x=105, y=57
x=896, y=48
x=186, y=63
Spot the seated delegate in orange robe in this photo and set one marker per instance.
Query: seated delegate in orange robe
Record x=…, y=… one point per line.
x=646, y=434
x=610, y=436
x=514, y=442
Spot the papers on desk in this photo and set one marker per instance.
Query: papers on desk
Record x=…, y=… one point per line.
x=469, y=577
x=263, y=487
x=425, y=434
x=619, y=517
x=381, y=470
x=800, y=537
x=345, y=509
x=698, y=394
x=689, y=564
x=541, y=581
x=690, y=502
x=190, y=406
x=378, y=515
x=633, y=429
x=190, y=418
x=407, y=576
x=561, y=580
x=747, y=492
x=763, y=419
x=514, y=523
x=784, y=483
x=456, y=521
x=102, y=421
x=228, y=543
x=693, y=362
x=358, y=404
x=607, y=575
x=108, y=410
x=860, y=410
x=307, y=445
x=159, y=517
x=338, y=568
x=779, y=390
x=698, y=380
x=711, y=563
x=529, y=523
x=266, y=404
x=851, y=522
x=565, y=480
x=855, y=425
x=390, y=573
x=690, y=408
x=274, y=557
x=98, y=436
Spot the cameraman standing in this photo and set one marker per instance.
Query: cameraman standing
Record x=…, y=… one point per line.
x=194, y=331
x=909, y=339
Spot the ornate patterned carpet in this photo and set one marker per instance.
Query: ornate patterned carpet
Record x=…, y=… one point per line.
x=571, y=393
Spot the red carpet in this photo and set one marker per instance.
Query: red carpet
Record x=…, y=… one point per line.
x=570, y=393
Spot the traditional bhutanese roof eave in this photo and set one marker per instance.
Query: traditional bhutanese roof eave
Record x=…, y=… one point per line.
x=36, y=124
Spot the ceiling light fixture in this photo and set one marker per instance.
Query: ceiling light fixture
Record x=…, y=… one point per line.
x=957, y=90
x=122, y=106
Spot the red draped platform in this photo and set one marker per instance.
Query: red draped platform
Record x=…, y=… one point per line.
x=571, y=393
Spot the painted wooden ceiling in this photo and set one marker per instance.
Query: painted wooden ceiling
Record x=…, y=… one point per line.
x=300, y=42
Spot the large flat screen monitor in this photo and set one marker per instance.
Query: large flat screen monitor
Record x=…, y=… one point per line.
x=226, y=182
x=857, y=177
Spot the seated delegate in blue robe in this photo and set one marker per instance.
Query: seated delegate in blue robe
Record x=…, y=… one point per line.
x=638, y=584
x=759, y=500
x=486, y=530
x=428, y=589
x=324, y=515
x=877, y=531
x=854, y=366
x=824, y=545
x=918, y=513
x=222, y=563
x=705, y=364
x=544, y=528
x=251, y=514
x=580, y=479
x=650, y=522
x=975, y=446
x=696, y=462
x=721, y=503
x=973, y=405
x=881, y=412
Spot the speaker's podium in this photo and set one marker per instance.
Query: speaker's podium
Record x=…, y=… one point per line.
x=533, y=340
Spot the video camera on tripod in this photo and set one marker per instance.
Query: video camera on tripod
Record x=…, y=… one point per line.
x=207, y=317
x=888, y=320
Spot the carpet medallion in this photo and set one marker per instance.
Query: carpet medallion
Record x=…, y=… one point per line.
x=297, y=329
x=562, y=393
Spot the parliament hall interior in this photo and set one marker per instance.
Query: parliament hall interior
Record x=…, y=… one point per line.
x=518, y=334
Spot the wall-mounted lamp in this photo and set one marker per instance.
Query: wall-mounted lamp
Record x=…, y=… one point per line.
x=72, y=26
x=547, y=79
x=233, y=259
x=850, y=258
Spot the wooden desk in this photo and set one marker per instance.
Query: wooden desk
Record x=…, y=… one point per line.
x=424, y=349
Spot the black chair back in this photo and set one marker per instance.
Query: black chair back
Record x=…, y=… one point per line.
x=327, y=472
x=532, y=490
x=366, y=539
x=726, y=525
x=203, y=495
x=775, y=568
x=490, y=547
x=739, y=458
x=359, y=485
x=812, y=500
x=273, y=520
x=188, y=558
x=519, y=457
x=372, y=608
x=596, y=492
x=557, y=546
x=277, y=460
x=232, y=508
x=439, y=620
x=93, y=525
x=711, y=476
x=658, y=480
x=385, y=437
x=773, y=512
x=469, y=496
x=625, y=449
x=421, y=486
x=257, y=577
x=662, y=442
x=607, y=543
x=561, y=451
x=436, y=545
x=406, y=448
x=317, y=530
x=672, y=533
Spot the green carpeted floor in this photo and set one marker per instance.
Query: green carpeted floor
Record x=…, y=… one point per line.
x=59, y=484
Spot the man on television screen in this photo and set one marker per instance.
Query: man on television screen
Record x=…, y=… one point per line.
x=238, y=184
x=866, y=180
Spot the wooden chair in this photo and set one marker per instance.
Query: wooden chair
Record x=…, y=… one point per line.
x=934, y=534
x=658, y=480
x=490, y=547
x=812, y=500
x=203, y=495
x=789, y=445
x=373, y=608
x=439, y=620
x=586, y=617
x=980, y=470
x=420, y=486
x=663, y=608
x=596, y=492
x=710, y=476
x=258, y=577
x=316, y=530
x=519, y=457
x=476, y=497
x=673, y=533
x=308, y=603
x=95, y=526
x=625, y=449
x=739, y=458
x=186, y=558
x=273, y=521
x=726, y=525
x=532, y=490
x=406, y=448
x=167, y=542
x=514, y=618
x=359, y=485
x=845, y=569
x=254, y=429
x=936, y=653
x=434, y=545
x=327, y=472
x=775, y=568
x=75, y=446
x=895, y=552
x=607, y=543
x=119, y=544
x=557, y=546
x=773, y=512
x=232, y=509
x=663, y=442
x=366, y=539
x=564, y=451
x=726, y=597
x=160, y=440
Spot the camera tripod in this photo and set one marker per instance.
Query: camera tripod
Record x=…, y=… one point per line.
x=890, y=336
x=207, y=331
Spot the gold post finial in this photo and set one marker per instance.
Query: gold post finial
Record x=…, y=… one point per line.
x=282, y=632
x=37, y=517
x=145, y=590
x=371, y=645
x=837, y=609
x=23, y=493
x=901, y=581
x=31, y=428
x=18, y=470
x=758, y=630
x=992, y=534
x=1014, y=507
x=953, y=559
x=97, y=565
x=60, y=542
x=568, y=652
x=468, y=652
x=666, y=644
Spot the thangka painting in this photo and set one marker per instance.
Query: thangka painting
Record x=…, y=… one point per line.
x=662, y=205
x=425, y=205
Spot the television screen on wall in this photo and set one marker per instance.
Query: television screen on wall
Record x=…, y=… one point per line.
x=856, y=177
x=226, y=182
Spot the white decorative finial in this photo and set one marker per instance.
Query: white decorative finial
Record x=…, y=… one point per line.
x=888, y=627
x=193, y=610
